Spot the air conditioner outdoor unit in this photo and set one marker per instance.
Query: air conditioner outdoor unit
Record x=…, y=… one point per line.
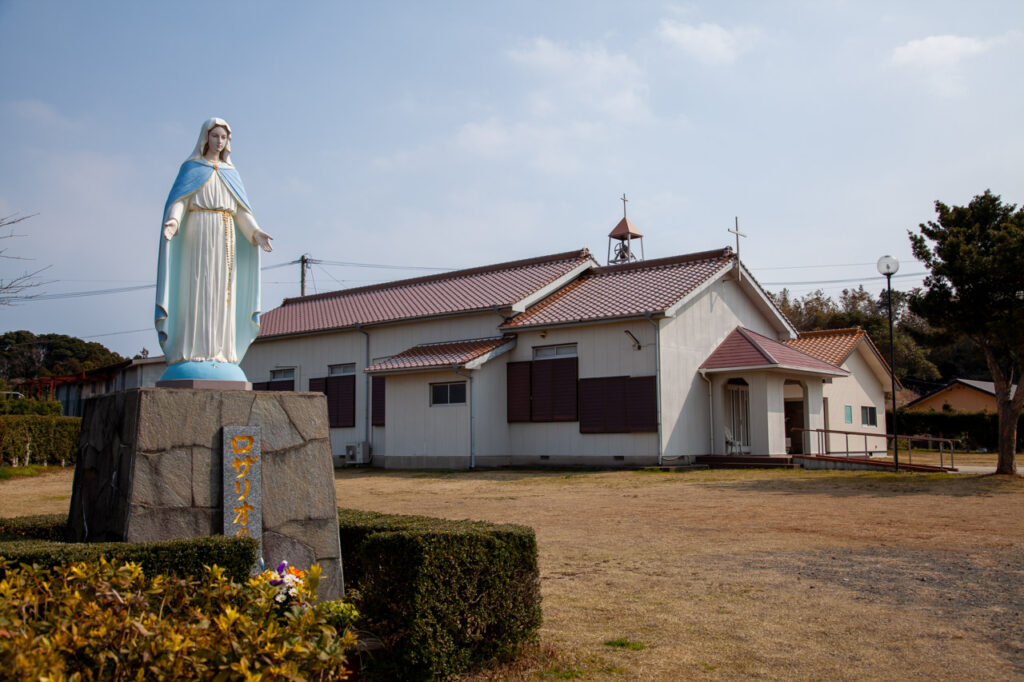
x=357, y=453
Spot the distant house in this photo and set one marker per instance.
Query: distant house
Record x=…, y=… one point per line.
x=960, y=395
x=72, y=390
x=854, y=403
x=555, y=360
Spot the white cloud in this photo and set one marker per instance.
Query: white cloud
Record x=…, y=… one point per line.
x=939, y=51
x=940, y=59
x=586, y=80
x=709, y=43
x=546, y=147
x=40, y=114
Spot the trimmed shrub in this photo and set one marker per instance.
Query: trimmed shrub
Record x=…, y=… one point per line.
x=35, y=439
x=183, y=558
x=442, y=596
x=39, y=527
x=30, y=406
x=109, y=621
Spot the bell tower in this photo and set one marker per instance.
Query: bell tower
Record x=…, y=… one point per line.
x=624, y=233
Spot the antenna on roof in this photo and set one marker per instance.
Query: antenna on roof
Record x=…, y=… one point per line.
x=624, y=233
x=739, y=272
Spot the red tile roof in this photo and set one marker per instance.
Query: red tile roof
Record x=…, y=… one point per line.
x=461, y=291
x=440, y=355
x=832, y=345
x=629, y=290
x=835, y=346
x=744, y=349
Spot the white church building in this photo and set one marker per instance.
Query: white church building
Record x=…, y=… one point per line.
x=557, y=360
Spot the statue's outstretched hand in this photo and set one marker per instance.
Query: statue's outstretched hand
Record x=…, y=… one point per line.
x=262, y=240
x=170, y=228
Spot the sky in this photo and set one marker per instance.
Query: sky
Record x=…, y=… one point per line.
x=430, y=136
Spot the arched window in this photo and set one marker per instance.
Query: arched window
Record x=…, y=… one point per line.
x=737, y=415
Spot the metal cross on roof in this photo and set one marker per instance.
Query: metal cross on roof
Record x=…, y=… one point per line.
x=738, y=234
x=624, y=200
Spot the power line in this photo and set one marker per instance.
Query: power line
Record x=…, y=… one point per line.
x=855, y=280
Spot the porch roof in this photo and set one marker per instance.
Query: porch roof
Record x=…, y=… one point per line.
x=465, y=354
x=743, y=349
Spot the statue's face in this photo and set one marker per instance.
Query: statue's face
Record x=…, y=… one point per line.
x=217, y=139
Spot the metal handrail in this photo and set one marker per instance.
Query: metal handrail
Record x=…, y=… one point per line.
x=824, y=433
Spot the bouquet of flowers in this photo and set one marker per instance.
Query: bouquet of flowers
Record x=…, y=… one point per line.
x=293, y=587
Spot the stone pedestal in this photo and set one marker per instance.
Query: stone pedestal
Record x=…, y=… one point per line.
x=150, y=468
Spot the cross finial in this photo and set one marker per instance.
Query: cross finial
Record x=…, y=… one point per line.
x=738, y=234
x=624, y=200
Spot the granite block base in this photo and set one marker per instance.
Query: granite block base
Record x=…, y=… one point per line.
x=150, y=468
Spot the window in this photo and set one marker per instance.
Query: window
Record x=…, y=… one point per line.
x=565, y=350
x=453, y=393
x=869, y=416
x=341, y=370
x=618, y=405
x=849, y=414
x=282, y=379
x=340, y=389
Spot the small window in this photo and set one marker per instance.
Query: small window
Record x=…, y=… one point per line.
x=565, y=350
x=448, y=394
x=849, y=414
x=868, y=416
x=282, y=374
x=345, y=370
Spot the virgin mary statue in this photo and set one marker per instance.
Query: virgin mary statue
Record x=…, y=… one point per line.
x=208, y=272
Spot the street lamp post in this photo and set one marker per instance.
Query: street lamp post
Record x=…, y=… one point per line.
x=889, y=266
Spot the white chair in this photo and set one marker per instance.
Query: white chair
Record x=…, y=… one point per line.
x=732, y=446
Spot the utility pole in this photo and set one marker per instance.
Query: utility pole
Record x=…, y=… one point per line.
x=304, y=264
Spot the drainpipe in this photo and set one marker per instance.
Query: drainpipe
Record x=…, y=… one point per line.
x=711, y=412
x=472, y=441
x=366, y=390
x=657, y=377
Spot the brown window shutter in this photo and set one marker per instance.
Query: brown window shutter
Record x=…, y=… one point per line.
x=541, y=401
x=261, y=385
x=378, y=401
x=517, y=391
x=341, y=401
x=591, y=405
x=642, y=403
x=281, y=385
x=564, y=389
x=318, y=385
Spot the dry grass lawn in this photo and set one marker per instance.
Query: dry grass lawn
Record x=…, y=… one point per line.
x=735, y=574
x=752, y=574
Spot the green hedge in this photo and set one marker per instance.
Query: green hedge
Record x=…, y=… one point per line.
x=40, y=527
x=36, y=439
x=36, y=540
x=975, y=430
x=29, y=406
x=443, y=596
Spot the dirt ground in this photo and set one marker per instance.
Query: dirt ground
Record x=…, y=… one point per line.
x=735, y=574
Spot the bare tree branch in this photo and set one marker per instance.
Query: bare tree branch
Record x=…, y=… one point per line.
x=16, y=289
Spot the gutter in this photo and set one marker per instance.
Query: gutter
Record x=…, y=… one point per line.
x=472, y=441
x=657, y=376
